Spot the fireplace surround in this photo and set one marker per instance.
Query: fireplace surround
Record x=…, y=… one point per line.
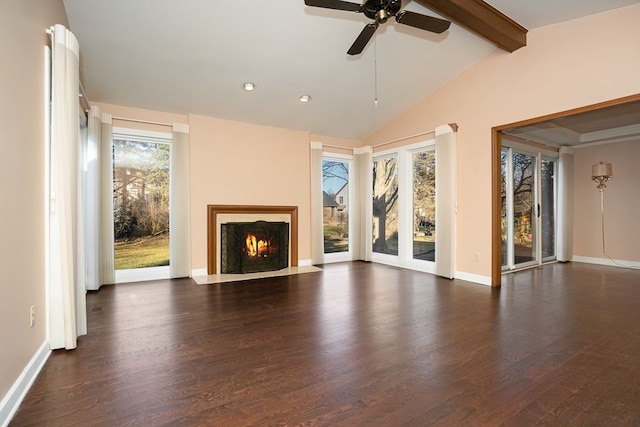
x=220, y=214
x=254, y=247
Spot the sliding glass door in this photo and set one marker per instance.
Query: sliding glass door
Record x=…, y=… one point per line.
x=548, y=208
x=404, y=207
x=528, y=208
x=423, y=164
x=385, y=205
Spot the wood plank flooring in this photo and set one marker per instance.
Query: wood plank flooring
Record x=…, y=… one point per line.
x=357, y=344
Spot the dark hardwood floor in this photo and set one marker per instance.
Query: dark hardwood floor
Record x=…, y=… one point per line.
x=357, y=345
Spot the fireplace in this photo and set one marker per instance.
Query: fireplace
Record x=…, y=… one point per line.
x=251, y=247
x=219, y=217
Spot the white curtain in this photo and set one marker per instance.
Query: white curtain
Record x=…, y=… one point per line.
x=92, y=199
x=363, y=203
x=81, y=253
x=105, y=160
x=317, y=233
x=67, y=312
x=179, y=217
x=565, y=205
x=99, y=201
x=446, y=200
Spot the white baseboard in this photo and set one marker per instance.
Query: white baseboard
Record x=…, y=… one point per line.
x=475, y=278
x=12, y=400
x=199, y=272
x=606, y=261
x=304, y=262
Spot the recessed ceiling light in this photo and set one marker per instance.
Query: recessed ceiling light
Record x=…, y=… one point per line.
x=305, y=98
x=248, y=87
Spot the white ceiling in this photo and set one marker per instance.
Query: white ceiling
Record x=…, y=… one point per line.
x=192, y=56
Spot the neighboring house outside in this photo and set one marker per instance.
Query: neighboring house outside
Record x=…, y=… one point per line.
x=342, y=198
x=329, y=206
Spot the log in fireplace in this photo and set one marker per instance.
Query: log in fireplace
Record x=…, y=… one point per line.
x=251, y=247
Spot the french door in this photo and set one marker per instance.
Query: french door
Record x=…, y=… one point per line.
x=404, y=207
x=528, y=208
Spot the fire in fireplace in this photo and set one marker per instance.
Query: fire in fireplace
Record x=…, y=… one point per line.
x=251, y=247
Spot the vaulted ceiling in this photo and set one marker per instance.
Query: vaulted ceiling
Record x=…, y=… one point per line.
x=192, y=57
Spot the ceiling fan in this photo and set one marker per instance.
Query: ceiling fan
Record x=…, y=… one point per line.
x=380, y=11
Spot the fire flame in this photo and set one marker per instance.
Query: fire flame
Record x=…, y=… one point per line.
x=256, y=247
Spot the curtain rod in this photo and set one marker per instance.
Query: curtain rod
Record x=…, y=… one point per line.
x=149, y=122
x=84, y=98
x=454, y=126
x=402, y=138
x=338, y=147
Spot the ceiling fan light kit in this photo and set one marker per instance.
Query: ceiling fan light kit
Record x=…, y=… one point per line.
x=380, y=11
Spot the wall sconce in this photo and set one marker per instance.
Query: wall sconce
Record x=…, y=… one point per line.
x=601, y=173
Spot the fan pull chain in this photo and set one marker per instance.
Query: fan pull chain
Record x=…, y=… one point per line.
x=375, y=73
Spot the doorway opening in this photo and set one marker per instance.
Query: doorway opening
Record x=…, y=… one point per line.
x=601, y=123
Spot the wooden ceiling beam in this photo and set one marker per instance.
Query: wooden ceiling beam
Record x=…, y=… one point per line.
x=482, y=19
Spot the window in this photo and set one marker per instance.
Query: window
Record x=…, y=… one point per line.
x=404, y=207
x=385, y=205
x=141, y=200
x=335, y=206
x=528, y=207
x=424, y=205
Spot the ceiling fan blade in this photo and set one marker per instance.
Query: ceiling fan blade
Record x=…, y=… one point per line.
x=335, y=4
x=362, y=40
x=423, y=22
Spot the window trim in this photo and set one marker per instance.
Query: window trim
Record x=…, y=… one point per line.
x=155, y=137
x=347, y=255
x=405, y=258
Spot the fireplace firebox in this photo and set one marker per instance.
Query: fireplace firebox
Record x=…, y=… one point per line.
x=251, y=247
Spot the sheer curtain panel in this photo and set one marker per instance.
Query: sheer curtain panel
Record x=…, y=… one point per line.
x=107, y=260
x=67, y=314
x=363, y=203
x=446, y=200
x=92, y=199
x=565, y=205
x=179, y=217
x=99, y=211
x=317, y=233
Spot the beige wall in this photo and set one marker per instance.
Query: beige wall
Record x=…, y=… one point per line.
x=22, y=263
x=622, y=202
x=141, y=114
x=238, y=163
x=244, y=164
x=336, y=145
x=564, y=66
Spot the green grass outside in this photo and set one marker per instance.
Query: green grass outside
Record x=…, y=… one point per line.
x=420, y=246
x=333, y=243
x=333, y=240
x=142, y=252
